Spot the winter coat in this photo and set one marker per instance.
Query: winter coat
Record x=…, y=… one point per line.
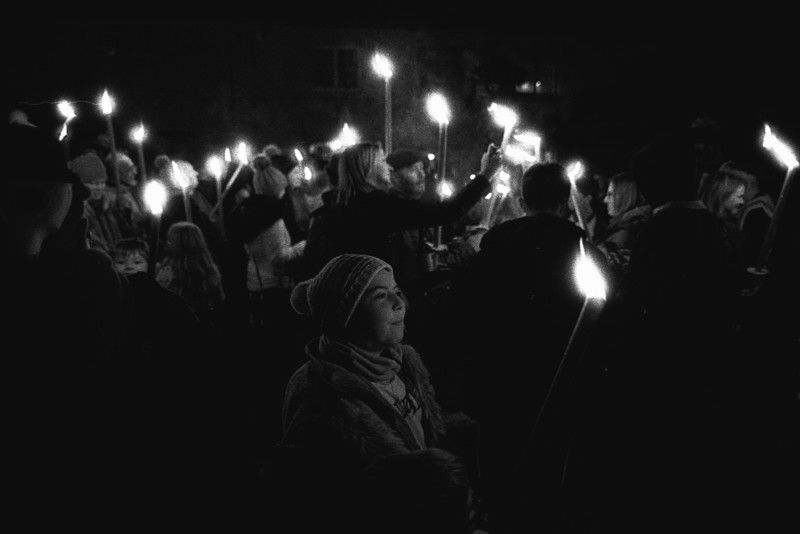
x=341, y=414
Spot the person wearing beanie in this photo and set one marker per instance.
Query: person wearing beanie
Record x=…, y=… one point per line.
x=363, y=394
x=365, y=215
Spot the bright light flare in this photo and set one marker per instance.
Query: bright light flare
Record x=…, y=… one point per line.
x=155, y=196
x=242, y=153
x=214, y=166
x=503, y=115
x=307, y=173
x=298, y=155
x=575, y=170
x=438, y=108
x=66, y=110
x=382, y=66
x=138, y=134
x=228, y=157
x=106, y=103
x=588, y=277
x=779, y=149
x=445, y=189
x=178, y=177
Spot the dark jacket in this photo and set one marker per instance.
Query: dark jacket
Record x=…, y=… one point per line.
x=366, y=224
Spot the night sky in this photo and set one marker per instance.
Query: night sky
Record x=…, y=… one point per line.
x=737, y=65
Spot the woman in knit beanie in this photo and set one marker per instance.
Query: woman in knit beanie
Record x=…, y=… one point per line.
x=362, y=396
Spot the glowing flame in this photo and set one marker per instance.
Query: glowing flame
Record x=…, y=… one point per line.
x=307, y=173
x=228, y=158
x=531, y=139
x=575, y=170
x=106, y=103
x=298, y=155
x=528, y=138
x=779, y=149
x=155, y=196
x=517, y=154
x=503, y=115
x=214, y=166
x=241, y=153
x=178, y=177
x=348, y=137
x=588, y=277
x=431, y=156
x=138, y=134
x=438, y=108
x=66, y=109
x=382, y=66
x=445, y=190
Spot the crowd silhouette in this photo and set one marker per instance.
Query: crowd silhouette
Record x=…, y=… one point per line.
x=299, y=353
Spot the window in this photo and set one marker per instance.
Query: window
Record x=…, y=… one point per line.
x=540, y=79
x=335, y=68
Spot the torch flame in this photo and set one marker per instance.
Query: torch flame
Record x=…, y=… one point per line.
x=298, y=155
x=214, y=166
x=575, y=170
x=382, y=66
x=66, y=109
x=106, y=103
x=241, y=153
x=779, y=149
x=138, y=134
x=307, y=173
x=348, y=136
x=155, y=196
x=445, y=190
x=228, y=158
x=503, y=115
x=588, y=277
x=178, y=176
x=438, y=108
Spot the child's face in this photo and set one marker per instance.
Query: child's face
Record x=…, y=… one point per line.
x=130, y=263
x=379, y=319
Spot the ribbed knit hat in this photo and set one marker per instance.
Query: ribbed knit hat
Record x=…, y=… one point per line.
x=332, y=295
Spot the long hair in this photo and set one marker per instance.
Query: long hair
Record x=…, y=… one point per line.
x=716, y=188
x=196, y=276
x=360, y=170
x=625, y=194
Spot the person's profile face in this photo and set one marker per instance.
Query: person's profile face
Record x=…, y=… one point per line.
x=378, y=321
x=611, y=205
x=130, y=263
x=409, y=181
x=734, y=202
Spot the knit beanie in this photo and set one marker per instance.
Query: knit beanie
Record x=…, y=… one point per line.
x=332, y=295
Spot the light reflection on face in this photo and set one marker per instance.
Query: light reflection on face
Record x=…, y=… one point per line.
x=734, y=202
x=378, y=321
x=130, y=263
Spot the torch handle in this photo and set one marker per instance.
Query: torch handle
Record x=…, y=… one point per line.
x=769, y=238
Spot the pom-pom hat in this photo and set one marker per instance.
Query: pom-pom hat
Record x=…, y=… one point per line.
x=332, y=295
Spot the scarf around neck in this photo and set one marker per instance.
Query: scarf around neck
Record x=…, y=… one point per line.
x=374, y=367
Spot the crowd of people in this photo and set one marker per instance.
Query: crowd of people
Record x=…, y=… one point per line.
x=339, y=346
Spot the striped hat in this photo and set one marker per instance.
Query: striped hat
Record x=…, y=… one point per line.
x=332, y=295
